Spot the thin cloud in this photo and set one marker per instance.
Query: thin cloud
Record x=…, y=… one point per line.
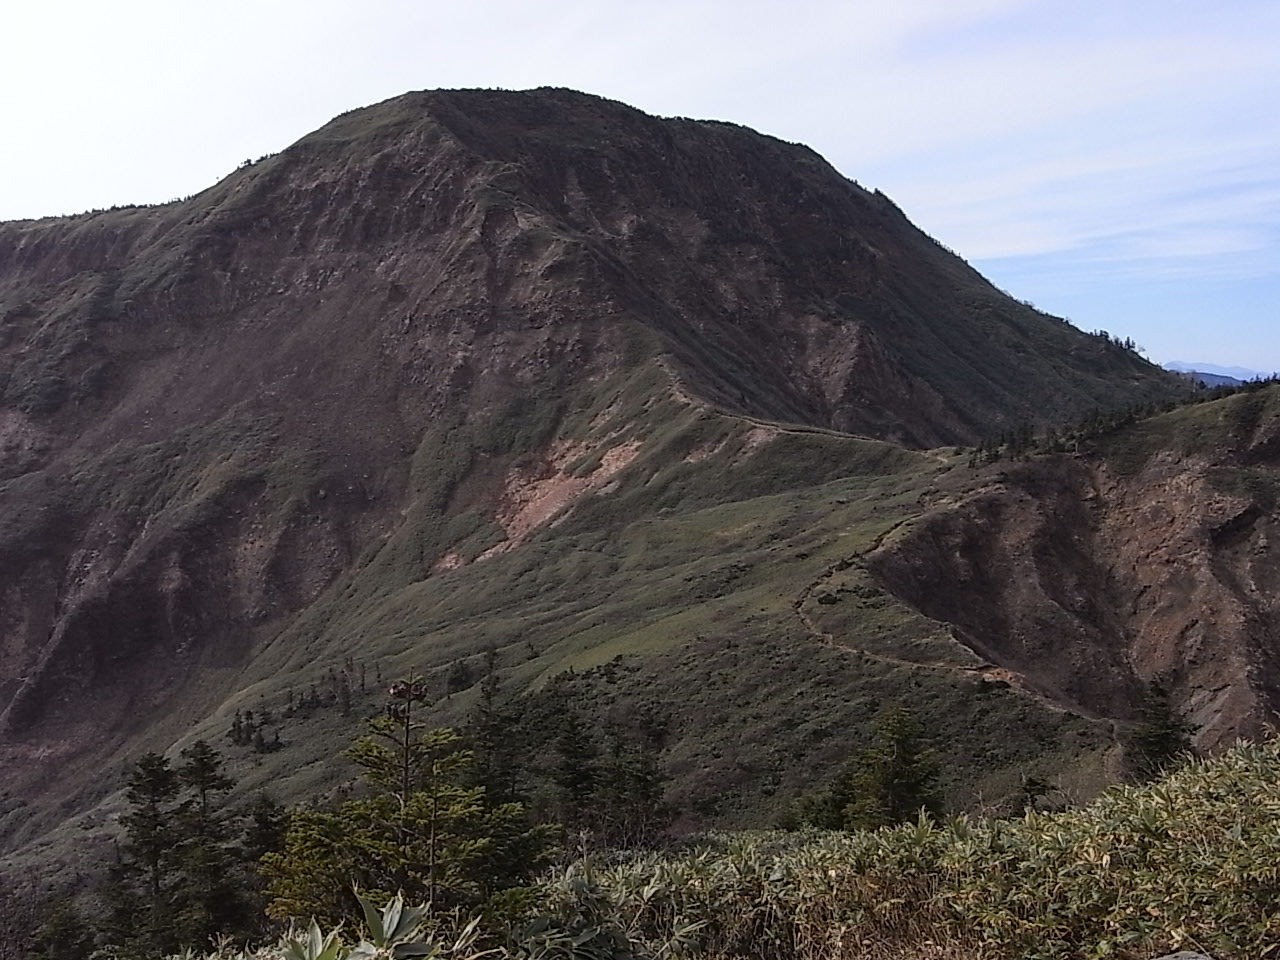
x=1091, y=146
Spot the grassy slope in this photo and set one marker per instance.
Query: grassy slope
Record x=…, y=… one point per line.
x=1216, y=428
x=680, y=588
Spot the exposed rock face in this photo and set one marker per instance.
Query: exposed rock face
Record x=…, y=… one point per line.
x=1090, y=580
x=212, y=410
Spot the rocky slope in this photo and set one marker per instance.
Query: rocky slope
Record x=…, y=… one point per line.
x=1149, y=559
x=333, y=407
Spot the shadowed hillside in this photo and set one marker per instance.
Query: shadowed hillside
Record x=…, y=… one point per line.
x=1148, y=559
x=524, y=370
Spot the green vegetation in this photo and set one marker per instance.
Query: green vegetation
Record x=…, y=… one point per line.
x=679, y=587
x=394, y=932
x=1217, y=418
x=1188, y=862
x=421, y=829
x=1160, y=739
x=191, y=871
x=600, y=780
x=187, y=865
x=893, y=779
x=682, y=588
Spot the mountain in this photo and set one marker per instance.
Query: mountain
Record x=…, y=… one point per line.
x=1237, y=374
x=1207, y=379
x=1146, y=559
x=1211, y=379
x=660, y=402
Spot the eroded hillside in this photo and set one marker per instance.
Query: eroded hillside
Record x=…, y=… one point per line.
x=1147, y=559
x=530, y=370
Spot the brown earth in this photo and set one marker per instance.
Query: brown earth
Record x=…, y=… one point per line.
x=1089, y=581
x=370, y=345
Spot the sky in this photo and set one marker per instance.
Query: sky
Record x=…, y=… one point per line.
x=1116, y=162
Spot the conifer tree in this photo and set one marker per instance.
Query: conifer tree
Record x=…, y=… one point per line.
x=494, y=739
x=421, y=829
x=1160, y=739
x=896, y=775
x=142, y=882
x=265, y=826
x=181, y=878
x=890, y=780
x=629, y=792
x=201, y=771
x=210, y=896
x=265, y=823
x=576, y=774
x=62, y=933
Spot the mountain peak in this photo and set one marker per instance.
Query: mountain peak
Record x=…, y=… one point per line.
x=248, y=433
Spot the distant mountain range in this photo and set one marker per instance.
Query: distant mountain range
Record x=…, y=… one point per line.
x=1212, y=375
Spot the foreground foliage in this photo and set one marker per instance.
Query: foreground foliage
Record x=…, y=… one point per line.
x=186, y=869
x=1191, y=861
x=420, y=828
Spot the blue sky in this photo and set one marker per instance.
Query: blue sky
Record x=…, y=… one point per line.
x=1114, y=162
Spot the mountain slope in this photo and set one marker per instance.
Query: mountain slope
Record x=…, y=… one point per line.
x=1147, y=560
x=529, y=369
x=785, y=290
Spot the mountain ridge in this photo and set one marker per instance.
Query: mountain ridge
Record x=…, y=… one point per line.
x=468, y=368
x=1239, y=374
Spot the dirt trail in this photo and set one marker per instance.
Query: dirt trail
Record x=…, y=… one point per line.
x=985, y=670
x=681, y=393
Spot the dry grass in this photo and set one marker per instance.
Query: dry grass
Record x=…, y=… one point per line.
x=1191, y=862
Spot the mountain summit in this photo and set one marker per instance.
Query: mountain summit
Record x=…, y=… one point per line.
x=524, y=369
x=437, y=222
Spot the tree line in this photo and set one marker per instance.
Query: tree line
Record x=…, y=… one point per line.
x=465, y=819
x=1023, y=441
x=462, y=818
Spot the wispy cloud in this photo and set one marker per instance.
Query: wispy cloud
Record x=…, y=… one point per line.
x=1092, y=151
x=1076, y=144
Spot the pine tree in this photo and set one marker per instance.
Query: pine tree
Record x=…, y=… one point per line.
x=896, y=775
x=889, y=781
x=344, y=695
x=209, y=892
x=62, y=933
x=201, y=771
x=266, y=821
x=494, y=739
x=180, y=878
x=422, y=829
x=144, y=877
x=1160, y=739
x=576, y=773
x=629, y=792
